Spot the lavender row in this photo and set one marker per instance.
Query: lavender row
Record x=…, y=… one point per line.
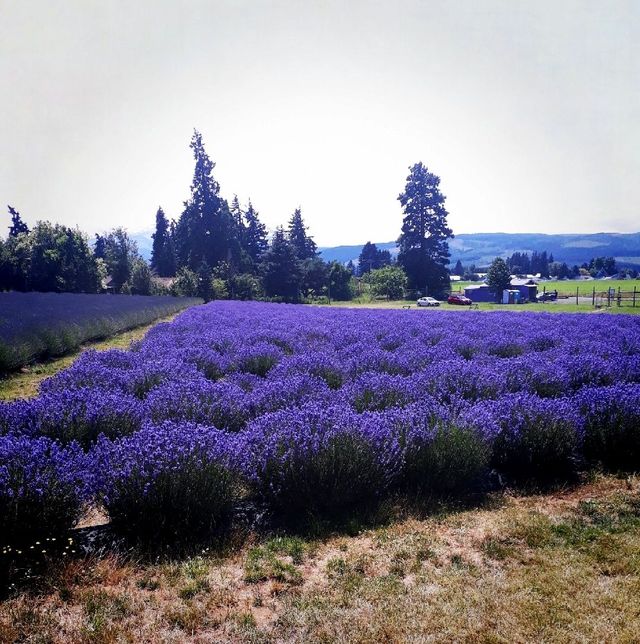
x=35, y=325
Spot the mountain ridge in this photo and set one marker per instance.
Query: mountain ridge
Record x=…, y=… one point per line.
x=481, y=248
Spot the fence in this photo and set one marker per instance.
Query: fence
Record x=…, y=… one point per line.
x=598, y=299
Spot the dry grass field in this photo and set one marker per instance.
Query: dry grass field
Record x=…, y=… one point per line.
x=559, y=567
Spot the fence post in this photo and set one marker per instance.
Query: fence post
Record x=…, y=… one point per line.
x=634, y=297
x=577, y=291
x=593, y=297
x=619, y=297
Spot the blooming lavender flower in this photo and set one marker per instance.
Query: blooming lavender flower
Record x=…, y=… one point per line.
x=327, y=410
x=43, y=487
x=317, y=461
x=75, y=415
x=169, y=481
x=611, y=417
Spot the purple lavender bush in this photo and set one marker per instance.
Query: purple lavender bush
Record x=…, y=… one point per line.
x=442, y=457
x=171, y=482
x=318, y=462
x=78, y=415
x=43, y=488
x=534, y=440
x=611, y=425
x=325, y=411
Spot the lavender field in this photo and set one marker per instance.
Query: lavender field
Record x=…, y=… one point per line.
x=41, y=325
x=316, y=414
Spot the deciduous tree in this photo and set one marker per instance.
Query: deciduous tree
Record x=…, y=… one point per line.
x=498, y=276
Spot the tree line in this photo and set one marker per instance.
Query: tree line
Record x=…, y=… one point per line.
x=219, y=250
x=543, y=264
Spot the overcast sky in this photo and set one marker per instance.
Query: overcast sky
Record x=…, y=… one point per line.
x=528, y=110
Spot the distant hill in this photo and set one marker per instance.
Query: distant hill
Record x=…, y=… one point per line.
x=144, y=241
x=481, y=248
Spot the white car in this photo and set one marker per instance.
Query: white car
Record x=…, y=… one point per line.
x=427, y=301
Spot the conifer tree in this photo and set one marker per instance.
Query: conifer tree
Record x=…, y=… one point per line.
x=205, y=231
x=424, y=251
x=162, y=260
x=237, y=215
x=303, y=243
x=255, y=234
x=17, y=225
x=371, y=258
x=281, y=270
x=100, y=246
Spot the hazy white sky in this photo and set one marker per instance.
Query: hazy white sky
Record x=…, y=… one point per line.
x=529, y=110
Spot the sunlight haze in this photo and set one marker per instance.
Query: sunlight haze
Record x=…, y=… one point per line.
x=528, y=111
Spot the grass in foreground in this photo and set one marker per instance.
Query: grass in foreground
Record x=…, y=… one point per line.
x=555, y=568
x=25, y=383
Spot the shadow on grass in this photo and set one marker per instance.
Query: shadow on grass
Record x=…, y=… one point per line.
x=34, y=567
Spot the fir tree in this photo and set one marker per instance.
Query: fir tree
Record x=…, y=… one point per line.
x=281, y=270
x=303, y=243
x=255, y=235
x=100, y=246
x=17, y=225
x=237, y=214
x=459, y=269
x=371, y=258
x=162, y=260
x=424, y=251
x=205, y=231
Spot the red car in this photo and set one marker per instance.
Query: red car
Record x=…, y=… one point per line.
x=459, y=299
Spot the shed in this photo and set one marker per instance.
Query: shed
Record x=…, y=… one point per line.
x=528, y=288
x=480, y=293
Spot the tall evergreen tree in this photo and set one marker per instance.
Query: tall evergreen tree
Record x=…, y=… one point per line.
x=100, y=246
x=17, y=225
x=303, y=243
x=162, y=260
x=424, y=251
x=371, y=258
x=205, y=231
x=281, y=270
x=459, y=269
x=236, y=213
x=255, y=234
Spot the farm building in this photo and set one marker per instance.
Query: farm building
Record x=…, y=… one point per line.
x=527, y=288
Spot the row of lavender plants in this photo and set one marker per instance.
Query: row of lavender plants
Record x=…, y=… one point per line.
x=40, y=325
x=313, y=412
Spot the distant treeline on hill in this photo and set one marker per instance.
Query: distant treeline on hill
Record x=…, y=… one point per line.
x=480, y=249
x=544, y=265
x=217, y=250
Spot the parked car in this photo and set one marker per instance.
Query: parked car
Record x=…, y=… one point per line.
x=548, y=296
x=459, y=299
x=427, y=301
